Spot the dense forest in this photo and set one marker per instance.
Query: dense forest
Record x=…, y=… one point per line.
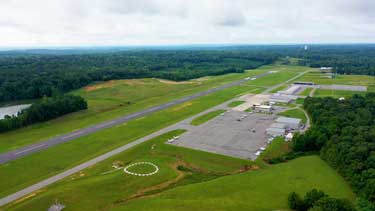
x=317, y=200
x=347, y=59
x=34, y=76
x=46, y=109
x=36, y=73
x=343, y=132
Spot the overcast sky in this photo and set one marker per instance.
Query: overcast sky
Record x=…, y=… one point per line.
x=160, y=22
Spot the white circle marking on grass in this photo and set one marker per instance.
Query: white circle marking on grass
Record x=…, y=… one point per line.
x=141, y=163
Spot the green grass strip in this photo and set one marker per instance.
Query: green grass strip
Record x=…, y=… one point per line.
x=206, y=117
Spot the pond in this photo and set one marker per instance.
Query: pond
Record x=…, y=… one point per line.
x=12, y=110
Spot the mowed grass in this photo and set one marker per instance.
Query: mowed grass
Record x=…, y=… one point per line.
x=28, y=170
x=294, y=113
x=101, y=187
x=206, y=117
x=235, y=103
x=359, y=80
x=275, y=149
x=111, y=99
x=142, y=169
x=280, y=88
x=300, y=101
x=336, y=93
x=260, y=190
x=306, y=92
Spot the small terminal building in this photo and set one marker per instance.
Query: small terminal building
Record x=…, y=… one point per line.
x=263, y=108
x=292, y=123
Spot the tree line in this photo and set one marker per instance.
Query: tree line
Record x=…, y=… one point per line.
x=46, y=109
x=344, y=59
x=37, y=73
x=24, y=76
x=317, y=200
x=343, y=133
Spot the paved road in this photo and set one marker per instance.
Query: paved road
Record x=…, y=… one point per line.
x=311, y=94
x=27, y=150
x=285, y=82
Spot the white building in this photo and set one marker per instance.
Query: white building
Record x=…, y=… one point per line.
x=263, y=108
x=292, y=123
x=275, y=131
x=289, y=137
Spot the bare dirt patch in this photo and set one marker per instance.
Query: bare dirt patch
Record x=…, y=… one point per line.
x=107, y=84
x=112, y=83
x=174, y=82
x=133, y=82
x=182, y=106
x=28, y=196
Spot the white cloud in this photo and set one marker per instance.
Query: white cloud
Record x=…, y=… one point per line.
x=144, y=22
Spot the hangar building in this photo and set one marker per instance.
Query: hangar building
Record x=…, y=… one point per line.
x=292, y=123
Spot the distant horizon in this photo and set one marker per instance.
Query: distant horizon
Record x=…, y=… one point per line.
x=73, y=47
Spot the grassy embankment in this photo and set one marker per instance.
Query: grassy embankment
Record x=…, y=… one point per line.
x=235, y=103
x=188, y=179
x=275, y=149
x=206, y=117
x=294, y=113
x=102, y=187
x=261, y=190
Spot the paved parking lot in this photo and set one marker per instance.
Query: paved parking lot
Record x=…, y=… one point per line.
x=228, y=136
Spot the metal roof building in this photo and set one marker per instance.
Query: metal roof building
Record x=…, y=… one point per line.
x=275, y=131
x=291, y=90
x=293, y=123
x=280, y=99
x=278, y=125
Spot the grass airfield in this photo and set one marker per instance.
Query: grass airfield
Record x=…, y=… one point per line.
x=199, y=177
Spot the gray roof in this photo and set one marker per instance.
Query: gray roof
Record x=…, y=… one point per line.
x=273, y=129
x=288, y=120
x=278, y=125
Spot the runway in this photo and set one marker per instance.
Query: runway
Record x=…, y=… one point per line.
x=42, y=145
